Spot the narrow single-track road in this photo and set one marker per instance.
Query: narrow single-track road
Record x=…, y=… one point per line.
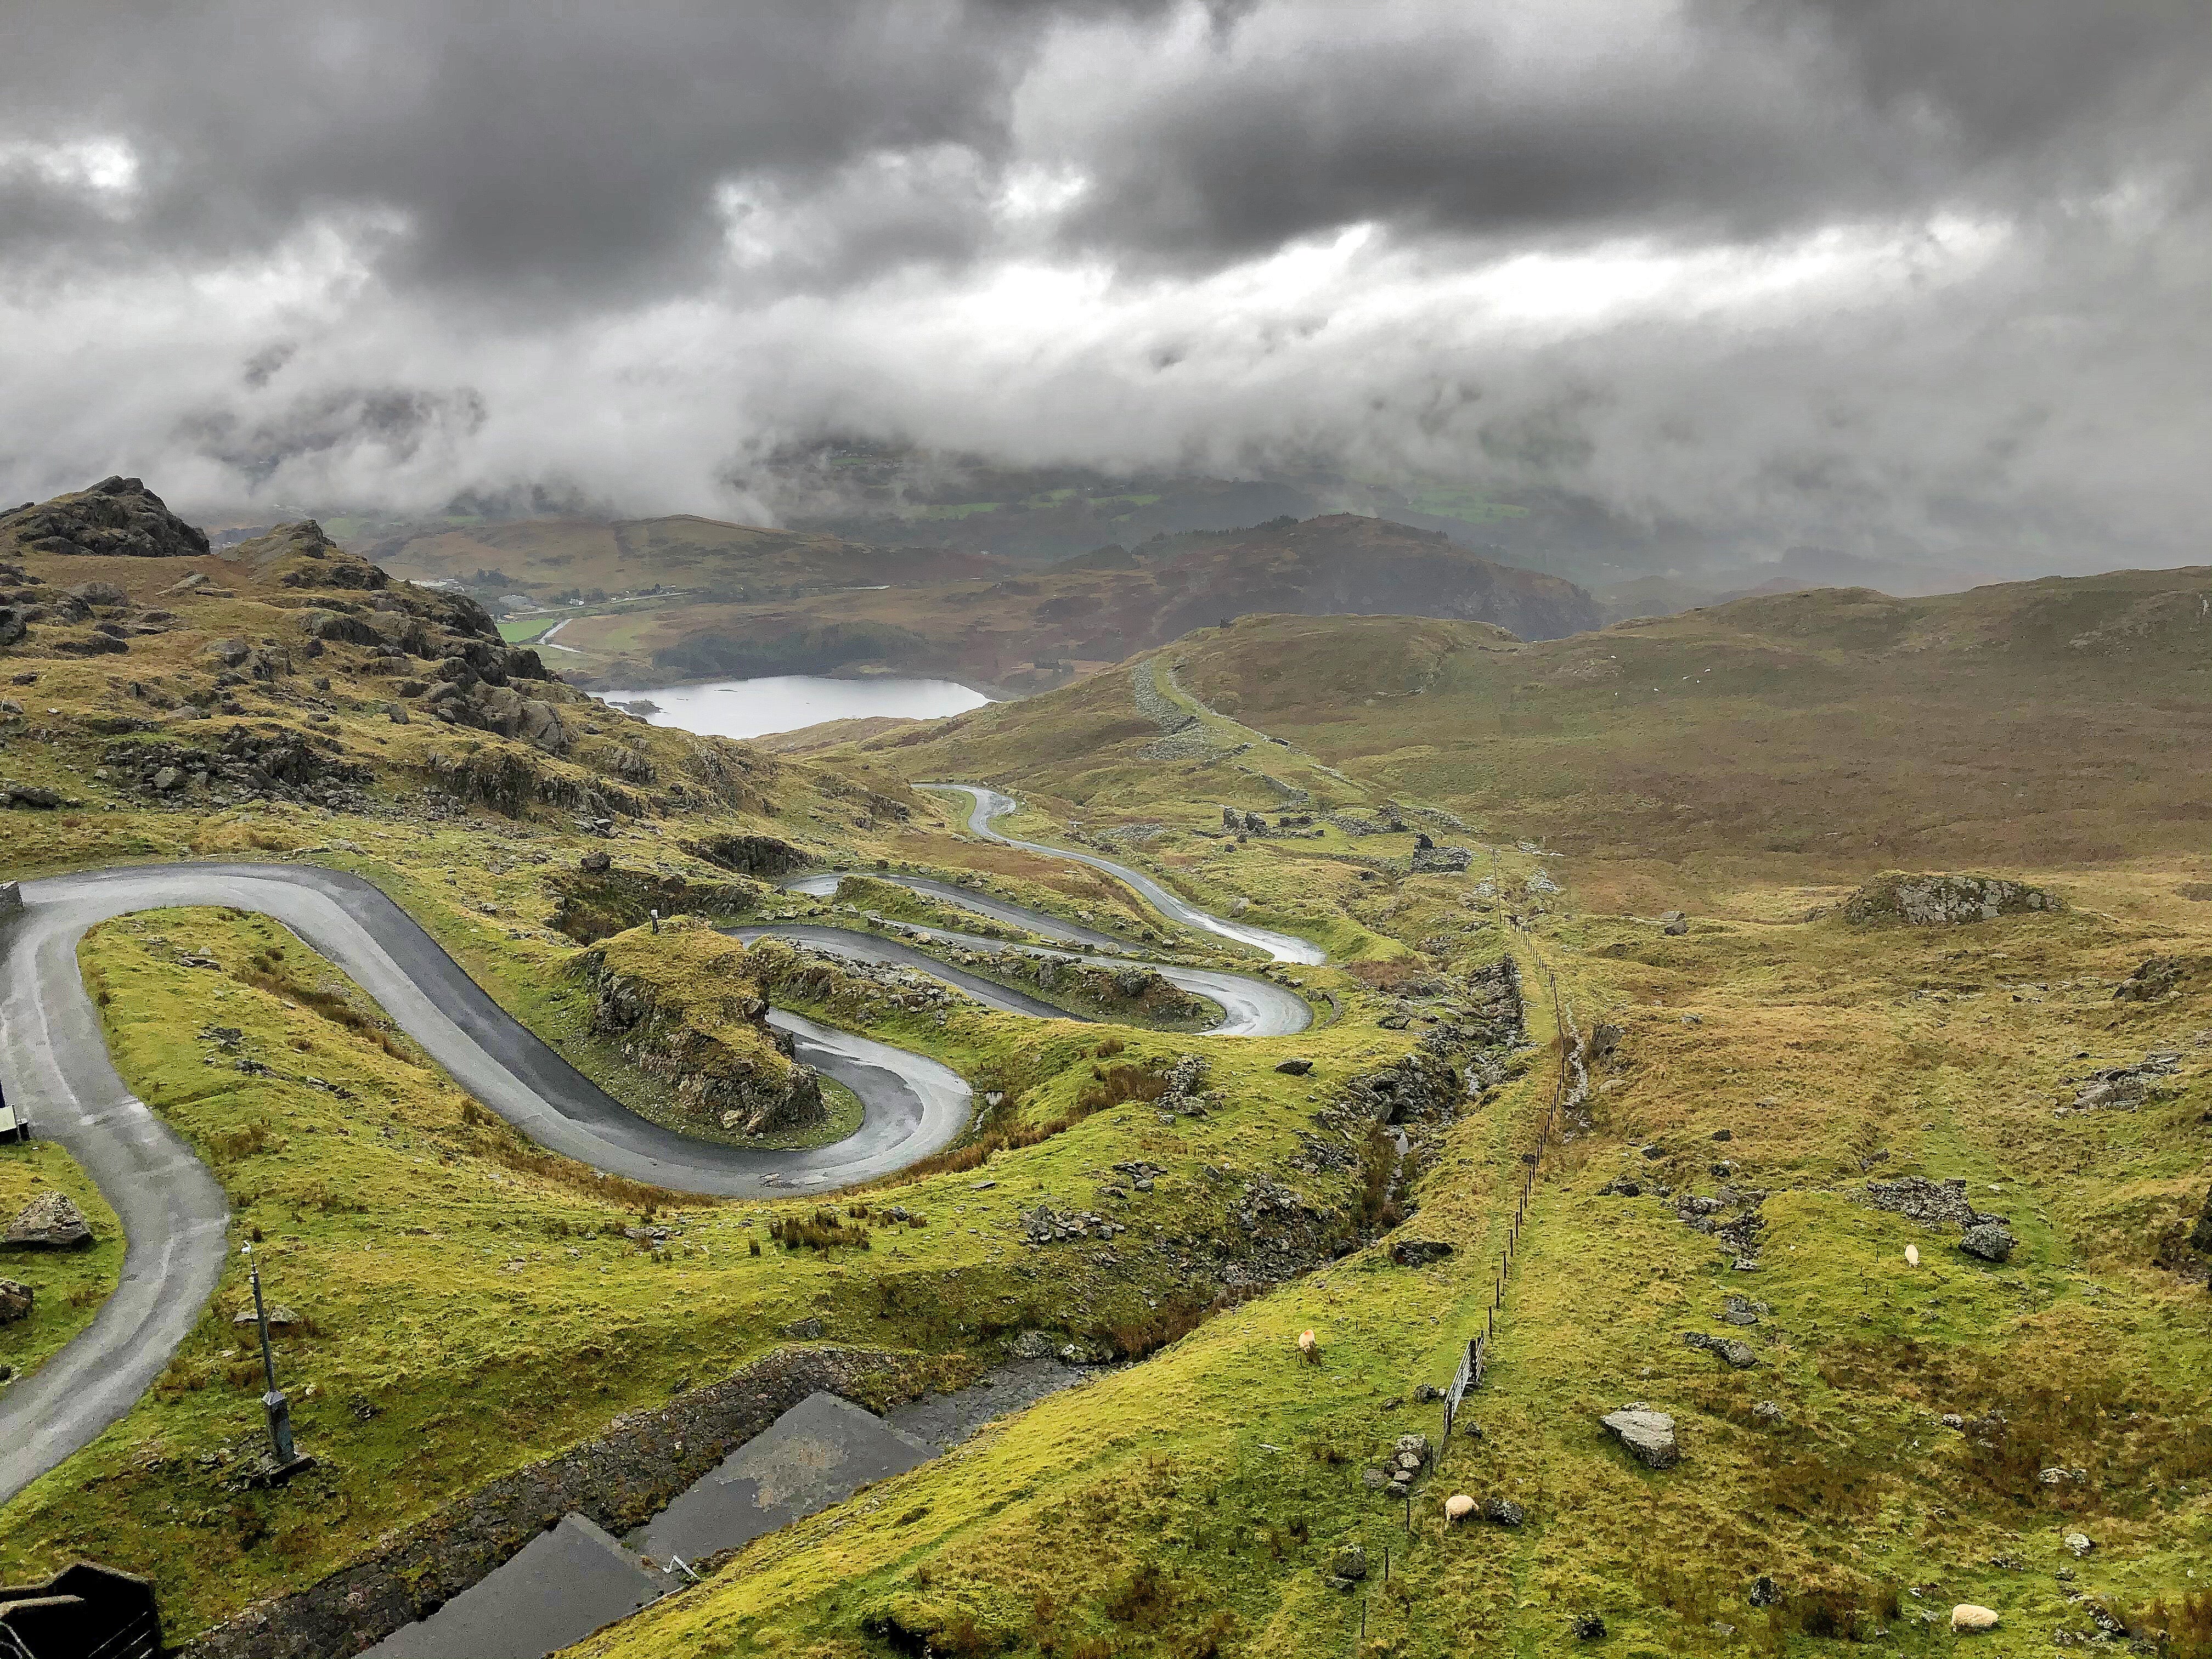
x=985, y=804
x=54, y=1064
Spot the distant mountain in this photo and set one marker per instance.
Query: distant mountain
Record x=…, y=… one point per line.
x=1026, y=631
x=1798, y=571
x=705, y=558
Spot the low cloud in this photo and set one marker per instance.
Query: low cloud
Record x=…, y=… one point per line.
x=1877, y=276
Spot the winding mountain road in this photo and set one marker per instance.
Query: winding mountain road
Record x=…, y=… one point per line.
x=174, y=1216
x=1250, y=1006
x=985, y=804
x=54, y=1063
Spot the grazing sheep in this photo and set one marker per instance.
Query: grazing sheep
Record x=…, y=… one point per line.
x=1913, y=1255
x=1458, y=1507
x=1310, y=1348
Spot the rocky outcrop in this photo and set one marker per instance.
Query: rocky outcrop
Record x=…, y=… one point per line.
x=1931, y=900
x=49, y=1222
x=749, y=855
x=685, y=1009
x=16, y=1300
x=116, y=517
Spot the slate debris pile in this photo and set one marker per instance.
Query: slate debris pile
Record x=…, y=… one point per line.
x=1939, y=1204
x=273, y=763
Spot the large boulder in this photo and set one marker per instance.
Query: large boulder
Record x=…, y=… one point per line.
x=1647, y=1436
x=116, y=517
x=48, y=1222
x=1418, y=1252
x=1988, y=1241
x=1934, y=900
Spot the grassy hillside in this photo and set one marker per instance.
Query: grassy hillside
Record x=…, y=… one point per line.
x=1815, y=737
x=1198, y=1504
x=1773, y=1070
x=1769, y=1082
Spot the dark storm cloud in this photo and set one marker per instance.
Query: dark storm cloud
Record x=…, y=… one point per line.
x=1722, y=119
x=524, y=150
x=1901, y=270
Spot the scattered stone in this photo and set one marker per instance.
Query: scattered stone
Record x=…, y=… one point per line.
x=1349, y=1562
x=1084, y=1352
x=280, y=1316
x=1647, y=1436
x=1294, y=1067
x=1767, y=1415
x=1504, y=1512
x=1952, y=1421
x=1988, y=1241
x=809, y=1329
x=595, y=863
x=1426, y=1394
x=1621, y=1186
x=1742, y=1311
x=1764, y=1592
x=1373, y=1478
x=15, y=1300
x=1587, y=1627
x=1967, y=1619
x=1733, y=1350
x=1030, y=1345
x=2124, y=1088
x=48, y=1222
x=1673, y=924
x=2079, y=1542
x=2158, y=978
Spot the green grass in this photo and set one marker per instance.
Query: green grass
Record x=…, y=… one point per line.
x=472, y=1305
x=523, y=631
x=67, y=1287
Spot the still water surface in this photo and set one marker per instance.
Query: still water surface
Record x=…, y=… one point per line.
x=784, y=702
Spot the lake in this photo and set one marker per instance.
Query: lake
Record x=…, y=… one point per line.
x=785, y=702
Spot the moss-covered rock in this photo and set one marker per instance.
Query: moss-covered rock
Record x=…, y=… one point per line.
x=685, y=1007
x=1931, y=900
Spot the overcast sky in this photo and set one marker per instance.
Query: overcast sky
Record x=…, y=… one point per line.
x=1837, y=270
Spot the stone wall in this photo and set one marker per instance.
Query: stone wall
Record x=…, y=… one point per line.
x=619, y=1480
